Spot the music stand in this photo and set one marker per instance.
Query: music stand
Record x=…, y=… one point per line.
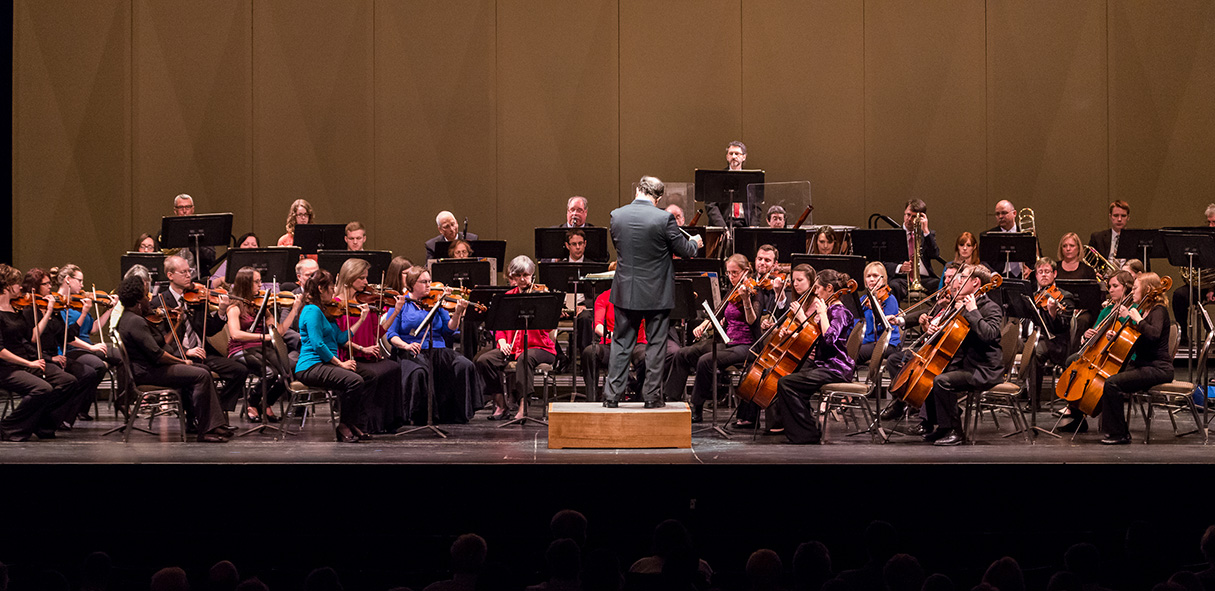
x=332, y=261
x=1009, y=247
x=463, y=272
x=1195, y=251
x=700, y=265
x=705, y=285
x=275, y=261
x=154, y=262
x=1141, y=244
x=469, y=335
x=488, y=249
x=730, y=186
x=426, y=325
x=787, y=241
x=568, y=278
x=524, y=311
x=262, y=315
x=1087, y=291
x=719, y=332
x=888, y=245
x=594, y=283
x=194, y=232
x=850, y=264
x=550, y=244
x=701, y=231
x=313, y=237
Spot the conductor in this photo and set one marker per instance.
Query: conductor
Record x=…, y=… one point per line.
x=643, y=289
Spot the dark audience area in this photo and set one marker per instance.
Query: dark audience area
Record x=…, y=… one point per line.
x=608, y=528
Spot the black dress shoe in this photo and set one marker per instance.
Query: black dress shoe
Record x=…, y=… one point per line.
x=64, y=426
x=920, y=429
x=953, y=438
x=45, y=434
x=1111, y=440
x=611, y=404
x=84, y=416
x=212, y=438
x=224, y=431
x=345, y=438
x=655, y=404
x=894, y=412
x=1074, y=425
x=936, y=434
x=697, y=415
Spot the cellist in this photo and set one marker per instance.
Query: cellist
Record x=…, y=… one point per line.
x=1149, y=363
x=896, y=360
x=829, y=361
x=1073, y=419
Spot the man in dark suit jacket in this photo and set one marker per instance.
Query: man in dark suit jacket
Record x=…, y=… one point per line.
x=449, y=230
x=928, y=251
x=1006, y=221
x=576, y=210
x=1103, y=240
x=644, y=287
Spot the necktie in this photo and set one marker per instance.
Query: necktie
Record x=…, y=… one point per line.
x=1113, y=245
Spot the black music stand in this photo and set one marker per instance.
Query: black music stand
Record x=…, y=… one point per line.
x=1008, y=247
x=469, y=335
x=700, y=265
x=154, y=262
x=550, y=244
x=462, y=272
x=313, y=237
x=1087, y=291
x=701, y=231
x=569, y=278
x=430, y=426
x=1195, y=251
x=888, y=245
x=730, y=186
x=594, y=283
x=275, y=261
x=262, y=315
x=719, y=332
x=524, y=311
x=788, y=242
x=332, y=261
x=488, y=249
x=1141, y=244
x=194, y=232
x=849, y=264
x=704, y=285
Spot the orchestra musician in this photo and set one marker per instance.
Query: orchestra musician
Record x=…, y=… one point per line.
x=1133, y=266
x=385, y=403
x=829, y=363
x=1149, y=365
x=741, y=321
x=146, y=243
x=1071, y=259
x=575, y=245
x=449, y=230
x=457, y=396
x=1181, y=295
x=966, y=249
x=55, y=334
x=191, y=335
x=151, y=363
x=773, y=301
x=776, y=217
x=928, y=250
x=1119, y=285
x=86, y=361
x=183, y=204
x=1056, y=313
x=1006, y=222
x=801, y=281
x=875, y=278
x=320, y=367
x=217, y=279
x=246, y=340
x=459, y=249
x=491, y=362
x=576, y=210
x=676, y=211
x=46, y=390
x=300, y=213
x=824, y=241
x=1106, y=241
x=736, y=155
x=356, y=236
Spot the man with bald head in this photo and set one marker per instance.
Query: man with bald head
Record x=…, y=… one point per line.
x=1006, y=222
x=449, y=230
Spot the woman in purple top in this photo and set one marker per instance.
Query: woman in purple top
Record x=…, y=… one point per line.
x=742, y=326
x=829, y=361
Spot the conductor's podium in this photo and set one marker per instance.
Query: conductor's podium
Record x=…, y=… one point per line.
x=590, y=425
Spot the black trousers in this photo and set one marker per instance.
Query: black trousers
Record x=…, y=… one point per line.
x=255, y=363
x=88, y=369
x=1118, y=386
x=894, y=364
x=865, y=353
x=384, y=396
x=350, y=386
x=1052, y=350
x=700, y=356
x=234, y=374
x=624, y=338
x=195, y=380
x=595, y=357
x=943, y=399
x=44, y=400
x=490, y=364
x=793, y=393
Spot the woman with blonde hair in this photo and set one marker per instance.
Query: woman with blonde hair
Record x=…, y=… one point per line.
x=1071, y=255
x=385, y=405
x=300, y=213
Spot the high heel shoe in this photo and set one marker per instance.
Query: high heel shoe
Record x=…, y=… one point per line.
x=252, y=418
x=345, y=438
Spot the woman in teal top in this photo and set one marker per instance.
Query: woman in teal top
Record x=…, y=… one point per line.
x=319, y=366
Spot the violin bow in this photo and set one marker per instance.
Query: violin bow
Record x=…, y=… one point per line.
x=97, y=311
x=37, y=333
x=172, y=327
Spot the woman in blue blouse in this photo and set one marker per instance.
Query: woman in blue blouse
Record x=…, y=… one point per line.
x=319, y=366
x=457, y=396
x=875, y=278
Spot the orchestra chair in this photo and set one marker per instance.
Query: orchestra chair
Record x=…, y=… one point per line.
x=1010, y=341
x=854, y=395
x=855, y=337
x=545, y=371
x=155, y=400
x=299, y=396
x=10, y=401
x=1176, y=396
x=1005, y=396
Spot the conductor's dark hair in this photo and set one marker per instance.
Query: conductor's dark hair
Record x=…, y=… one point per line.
x=651, y=187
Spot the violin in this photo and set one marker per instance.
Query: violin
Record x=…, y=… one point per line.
x=880, y=293
x=449, y=301
x=44, y=302
x=1049, y=294
x=198, y=293
x=282, y=298
x=374, y=293
x=102, y=298
x=159, y=315
x=336, y=309
x=533, y=288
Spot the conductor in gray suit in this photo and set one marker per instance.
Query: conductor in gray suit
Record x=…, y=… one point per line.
x=644, y=287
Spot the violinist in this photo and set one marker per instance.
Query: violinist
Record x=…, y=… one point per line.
x=190, y=333
x=87, y=361
x=740, y=318
x=300, y=213
x=829, y=363
x=875, y=281
x=457, y=397
x=491, y=362
x=46, y=390
x=1150, y=363
x=1119, y=287
x=247, y=340
x=1056, y=307
x=152, y=364
x=385, y=400
x=55, y=335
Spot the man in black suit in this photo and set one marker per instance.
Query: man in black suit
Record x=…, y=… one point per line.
x=183, y=204
x=736, y=156
x=1057, y=315
x=978, y=363
x=644, y=287
x=1106, y=241
x=449, y=230
x=576, y=210
x=1006, y=221
x=928, y=251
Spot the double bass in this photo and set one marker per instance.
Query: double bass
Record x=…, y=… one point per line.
x=1103, y=356
x=914, y=382
x=784, y=352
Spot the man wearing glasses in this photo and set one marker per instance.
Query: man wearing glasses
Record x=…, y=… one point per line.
x=184, y=205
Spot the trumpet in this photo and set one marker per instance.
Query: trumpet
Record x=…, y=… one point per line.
x=1100, y=264
x=1208, y=277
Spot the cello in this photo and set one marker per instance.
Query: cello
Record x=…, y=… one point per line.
x=1103, y=356
x=784, y=352
x=914, y=382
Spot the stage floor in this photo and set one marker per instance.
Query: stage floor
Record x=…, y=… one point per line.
x=483, y=442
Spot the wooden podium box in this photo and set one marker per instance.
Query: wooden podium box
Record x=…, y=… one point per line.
x=590, y=425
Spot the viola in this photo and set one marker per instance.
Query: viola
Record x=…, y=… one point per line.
x=1104, y=355
x=336, y=309
x=373, y=294
x=159, y=315
x=450, y=300
x=880, y=293
x=1049, y=294
x=198, y=293
x=914, y=382
x=784, y=352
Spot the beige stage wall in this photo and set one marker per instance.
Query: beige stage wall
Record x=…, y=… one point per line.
x=388, y=111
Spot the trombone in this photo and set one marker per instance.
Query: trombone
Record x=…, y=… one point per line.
x=1100, y=264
